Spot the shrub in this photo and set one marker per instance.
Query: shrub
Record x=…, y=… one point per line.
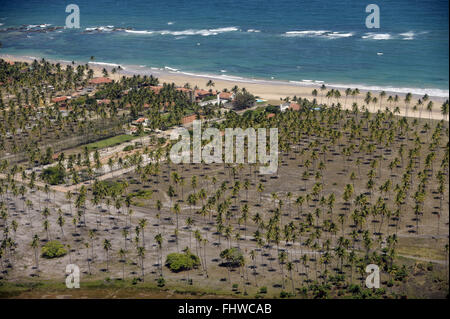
x=107, y=187
x=284, y=294
x=273, y=109
x=53, y=249
x=53, y=175
x=233, y=257
x=177, y=262
x=128, y=148
x=161, y=282
x=263, y=290
x=243, y=100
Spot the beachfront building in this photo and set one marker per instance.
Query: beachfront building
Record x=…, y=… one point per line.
x=289, y=106
x=202, y=94
x=100, y=81
x=60, y=99
x=222, y=98
x=188, y=92
x=142, y=120
x=187, y=120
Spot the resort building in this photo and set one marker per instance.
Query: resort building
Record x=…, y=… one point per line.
x=141, y=120
x=100, y=80
x=60, y=99
x=201, y=94
x=289, y=106
x=190, y=118
x=103, y=101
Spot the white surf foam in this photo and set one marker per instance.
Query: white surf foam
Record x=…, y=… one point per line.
x=377, y=36
x=107, y=28
x=202, y=32
x=139, y=32
x=170, y=69
x=336, y=35
x=408, y=35
x=305, y=33
x=105, y=64
x=318, y=34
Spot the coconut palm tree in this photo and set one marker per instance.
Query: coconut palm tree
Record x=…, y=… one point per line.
x=107, y=248
x=141, y=254
x=35, y=245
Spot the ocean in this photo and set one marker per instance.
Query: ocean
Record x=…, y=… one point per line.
x=299, y=41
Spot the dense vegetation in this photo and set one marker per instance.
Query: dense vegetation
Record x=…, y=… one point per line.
x=182, y=261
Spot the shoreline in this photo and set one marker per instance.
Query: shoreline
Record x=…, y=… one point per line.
x=271, y=90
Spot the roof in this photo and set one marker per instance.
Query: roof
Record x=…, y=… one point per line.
x=156, y=89
x=226, y=95
x=199, y=93
x=59, y=99
x=100, y=80
x=104, y=101
x=270, y=115
x=188, y=119
x=183, y=90
x=140, y=120
x=294, y=106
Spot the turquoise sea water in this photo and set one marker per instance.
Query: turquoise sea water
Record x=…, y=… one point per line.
x=292, y=40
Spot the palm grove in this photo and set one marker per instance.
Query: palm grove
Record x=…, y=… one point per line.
x=353, y=187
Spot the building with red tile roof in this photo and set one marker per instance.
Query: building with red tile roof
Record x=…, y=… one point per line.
x=100, y=80
x=183, y=90
x=190, y=118
x=156, y=89
x=104, y=101
x=294, y=106
x=226, y=96
x=59, y=99
x=201, y=94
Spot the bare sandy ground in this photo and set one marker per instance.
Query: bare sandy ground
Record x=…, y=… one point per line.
x=271, y=90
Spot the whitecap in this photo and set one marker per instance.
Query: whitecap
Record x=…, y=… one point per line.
x=305, y=33
x=139, y=32
x=336, y=35
x=170, y=69
x=202, y=32
x=104, y=63
x=408, y=35
x=377, y=36
x=319, y=34
x=107, y=28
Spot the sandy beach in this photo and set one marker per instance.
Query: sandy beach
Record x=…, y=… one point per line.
x=272, y=91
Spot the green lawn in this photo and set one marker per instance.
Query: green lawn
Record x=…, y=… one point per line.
x=112, y=141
